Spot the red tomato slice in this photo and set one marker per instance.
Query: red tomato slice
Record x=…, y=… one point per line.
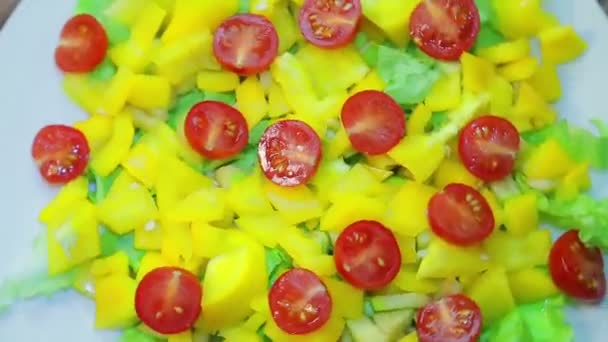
x=576, y=269
x=168, y=300
x=461, y=215
x=289, y=153
x=83, y=44
x=444, y=29
x=246, y=44
x=330, y=23
x=299, y=302
x=454, y=318
x=216, y=130
x=375, y=123
x=61, y=152
x=367, y=255
x=488, y=147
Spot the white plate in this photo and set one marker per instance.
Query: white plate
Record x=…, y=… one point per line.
x=30, y=97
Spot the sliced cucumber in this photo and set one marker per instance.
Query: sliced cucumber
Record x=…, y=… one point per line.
x=364, y=330
x=399, y=301
x=394, y=323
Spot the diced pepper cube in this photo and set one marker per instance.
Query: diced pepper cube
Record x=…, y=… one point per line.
x=142, y=163
x=277, y=104
x=393, y=17
x=419, y=155
x=516, y=253
x=518, y=18
x=149, y=262
x=97, y=129
x=321, y=265
x=350, y=209
x=217, y=81
x=285, y=24
x=192, y=16
x=85, y=92
x=448, y=261
x=411, y=337
x=477, y=73
x=58, y=209
x=501, y=97
x=509, y=51
x=561, y=44
x=451, y=171
x=290, y=73
x=204, y=205
x=117, y=263
x=150, y=92
x=246, y=197
x=407, y=281
x=112, y=153
x=176, y=241
x=251, y=100
x=446, y=93
x=347, y=300
x=492, y=293
x=295, y=205
x=372, y=81
x=546, y=81
x=116, y=94
x=532, y=107
x=176, y=180
x=357, y=181
x=114, y=302
x=519, y=70
x=407, y=246
x=407, y=211
x=521, y=214
x=576, y=181
x=267, y=229
x=531, y=285
x=549, y=161
x=497, y=208
x=419, y=120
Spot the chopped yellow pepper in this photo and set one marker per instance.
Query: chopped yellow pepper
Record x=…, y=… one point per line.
x=217, y=81
x=112, y=153
x=521, y=214
x=251, y=100
x=114, y=302
x=506, y=52
x=477, y=73
x=150, y=92
x=519, y=70
x=561, y=44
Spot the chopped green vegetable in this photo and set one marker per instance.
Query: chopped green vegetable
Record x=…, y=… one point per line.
x=399, y=301
x=247, y=160
x=182, y=107
x=100, y=186
x=488, y=37
x=228, y=98
x=244, y=6
x=277, y=261
x=255, y=134
x=437, y=121
x=488, y=34
x=104, y=71
x=367, y=48
x=135, y=334
x=117, y=32
x=112, y=243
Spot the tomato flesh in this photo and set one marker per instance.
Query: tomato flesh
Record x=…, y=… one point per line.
x=168, y=300
x=299, y=302
x=330, y=23
x=444, y=29
x=216, y=130
x=61, y=153
x=375, y=123
x=246, y=44
x=367, y=255
x=83, y=44
x=488, y=147
x=576, y=269
x=289, y=153
x=454, y=318
x=461, y=215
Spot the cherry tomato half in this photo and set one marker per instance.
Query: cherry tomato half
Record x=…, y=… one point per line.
x=216, y=130
x=82, y=46
x=375, y=123
x=330, y=23
x=576, y=269
x=461, y=215
x=289, y=153
x=61, y=152
x=454, y=318
x=488, y=147
x=299, y=302
x=367, y=255
x=168, y=300
x=246, y=44
x=444, y=29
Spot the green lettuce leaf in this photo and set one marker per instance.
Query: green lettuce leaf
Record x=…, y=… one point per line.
x=277, y=261
x=104, y=71
x=255, y=134
x=182, y=107
x=244, y=6
x=367, y=48
x=112, y=243
x=488, y=33
x=227, y=98
x=117, y=32
x=135, y=334
x=100, y=186
x=536, y=322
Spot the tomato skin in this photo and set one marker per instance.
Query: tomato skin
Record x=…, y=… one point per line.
x=460, y=215
x=326, y=24
x=168, y=300
x=576, y=269
x=458, y=19
x=289, y=153
x=83, y=44
x=246, y=44
x=299, y=302
x=216, y=130
x=375, y=123
x=488, y=147
x=61, y=152
x=462, y=325
x=367, y=255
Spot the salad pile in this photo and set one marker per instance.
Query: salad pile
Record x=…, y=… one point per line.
x=320, y=170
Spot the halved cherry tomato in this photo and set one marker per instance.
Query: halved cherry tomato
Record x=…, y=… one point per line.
x=216, y=130
x=289, y=153
x=488, y=147
x=61, y=152
x=168, y=300
x=576, y=269
x=299, y=302
x=367, y=255
x=454, y=318
x=83, y=44
x=444, y=29
x=375, y=123
x=330, y=23
x=246, y=44
x=461, y=215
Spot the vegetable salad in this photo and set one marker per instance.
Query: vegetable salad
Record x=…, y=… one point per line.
x=320, y=170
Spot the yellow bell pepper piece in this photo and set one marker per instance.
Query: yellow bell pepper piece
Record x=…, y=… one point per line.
x=149, y=262
x=183, y=58
x=561, y=44
x=125, y=11
x=217, y=81
x=380, y=174
x=88, y=94
x=176, y=242
x=117, y=263
x=477, y=73
x=150, y=92
x=73, y=240
x=58, y=209
x=112, y=153
x=406, y=212
x=407, y=246
x=371, y=81
x=350, y=209
x=515, y=253
x=492, y=293
x=251, y=100
x=330, y=331
x=267, y=229
x=531, y=285
x=448, y=261
x=240, y=333
x=497, y=208
x=451, y=171
x=231, y=281
x=204, y=205
x=521, y=214
x=298, y=245
x=176, y=180
x=546, y=81
x=519, y=70
x=321, y=265
x=347, y=300
x=532, y=107
x=411, y=337
x=277, y=104
x=192, y=16
x=358, y=180
x=501, y=97
x=576, y=181
x=382, y=161
x=549, y=161
x=339, y=145
x=97, y=129
x=518, y=18
x=407, y=281
x=115, y=96
x=446, y=93
x=393, y=17
x=419, y=119
x=285, y=24
x=142, y=164
x=295, y=205
x=114, y=302
x=246, y=196
x=255, y=321
x=419, y=155
x=289, y=72
x=509, y=51
x=208, y=241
